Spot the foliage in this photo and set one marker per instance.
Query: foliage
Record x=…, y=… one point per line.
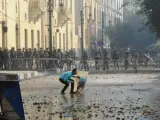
x=151, y=10
x=131, y=33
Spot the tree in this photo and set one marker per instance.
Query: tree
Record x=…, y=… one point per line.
x=133, y=33
x=151, y=11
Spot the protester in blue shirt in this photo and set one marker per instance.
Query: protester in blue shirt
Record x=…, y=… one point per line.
x=65, y=78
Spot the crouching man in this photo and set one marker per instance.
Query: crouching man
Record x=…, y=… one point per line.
x=65, y=78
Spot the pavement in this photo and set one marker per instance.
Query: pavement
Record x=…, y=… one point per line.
x=106, y=97
x=26, y=75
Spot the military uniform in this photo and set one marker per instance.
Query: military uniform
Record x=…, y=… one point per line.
x=1, y=58
x=27, y=56
x=140, y=59
x=54, y=56
x=85, y=63
x=36, y=56
x=30, y=60
x=126, y=62
x=13, y=58
x=106, y=61
x=146, y=59
x=115, y=58
x=46, y=55
x=59, y=57
x=41, y=55
x=6, y=59
x=135, y=60
x=97, y=59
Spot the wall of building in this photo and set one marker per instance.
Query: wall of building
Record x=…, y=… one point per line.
x=65, y=37
x=3, y=11
x=18, y=15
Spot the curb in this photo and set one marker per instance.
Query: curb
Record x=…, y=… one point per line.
x=25, y=75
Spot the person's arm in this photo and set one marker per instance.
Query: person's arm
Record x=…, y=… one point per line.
x=67, y=79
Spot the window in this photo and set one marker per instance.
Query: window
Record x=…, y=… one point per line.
x=53, y=41
x=71, y=40
x=60, y=40
x=38, y=39
x=25, y=16
x=26, y=38
x=61, y=2
x=56, y=40
x=64, y=42
x=32, y=38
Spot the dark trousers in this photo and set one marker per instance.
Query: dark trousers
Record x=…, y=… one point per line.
x=66, y=86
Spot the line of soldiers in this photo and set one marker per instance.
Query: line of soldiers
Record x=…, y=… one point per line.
x=103, y=58
x=28, y=58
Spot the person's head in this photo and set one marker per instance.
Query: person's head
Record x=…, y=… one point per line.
x=74, y=71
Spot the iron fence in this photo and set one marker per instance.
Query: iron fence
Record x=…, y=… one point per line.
x=88, y=65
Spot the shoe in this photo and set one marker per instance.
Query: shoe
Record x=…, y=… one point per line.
x=62, y=93
x=73, y=93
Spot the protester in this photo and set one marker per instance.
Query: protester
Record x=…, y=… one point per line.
x=65, y=78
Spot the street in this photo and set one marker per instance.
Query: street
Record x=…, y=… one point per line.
x=106, y=97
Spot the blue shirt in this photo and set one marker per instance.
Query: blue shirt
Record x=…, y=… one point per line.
x=82, y=81
x=66, y=76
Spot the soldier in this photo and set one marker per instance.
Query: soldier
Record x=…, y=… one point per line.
x=97, y=59
x=19, y=58
x=135, y=60
x=106, y=60
x=12, y=56
x=54, y=52
x=1, y=58
x=41, y=55
x=59, y=56
x=46, y=55
x=72, y=56
x=47, y=61
x=27, y=56
x=30, y=58
x=62, y=61
x=146, y=58
x=115, y=58
x=6, y=59
x=36, y=57
x=68, y=60
x=140, y=58
x=85, y=63
x=126, y=62
x=54, y=57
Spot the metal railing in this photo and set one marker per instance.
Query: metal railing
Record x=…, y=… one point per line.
x=39, y=64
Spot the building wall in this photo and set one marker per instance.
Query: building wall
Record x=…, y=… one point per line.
x=17, y=12
x=65, y=38
x=29, y=24
x=3, y=11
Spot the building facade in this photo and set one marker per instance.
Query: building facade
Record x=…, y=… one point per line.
x=98, y=14
x=24, y=24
